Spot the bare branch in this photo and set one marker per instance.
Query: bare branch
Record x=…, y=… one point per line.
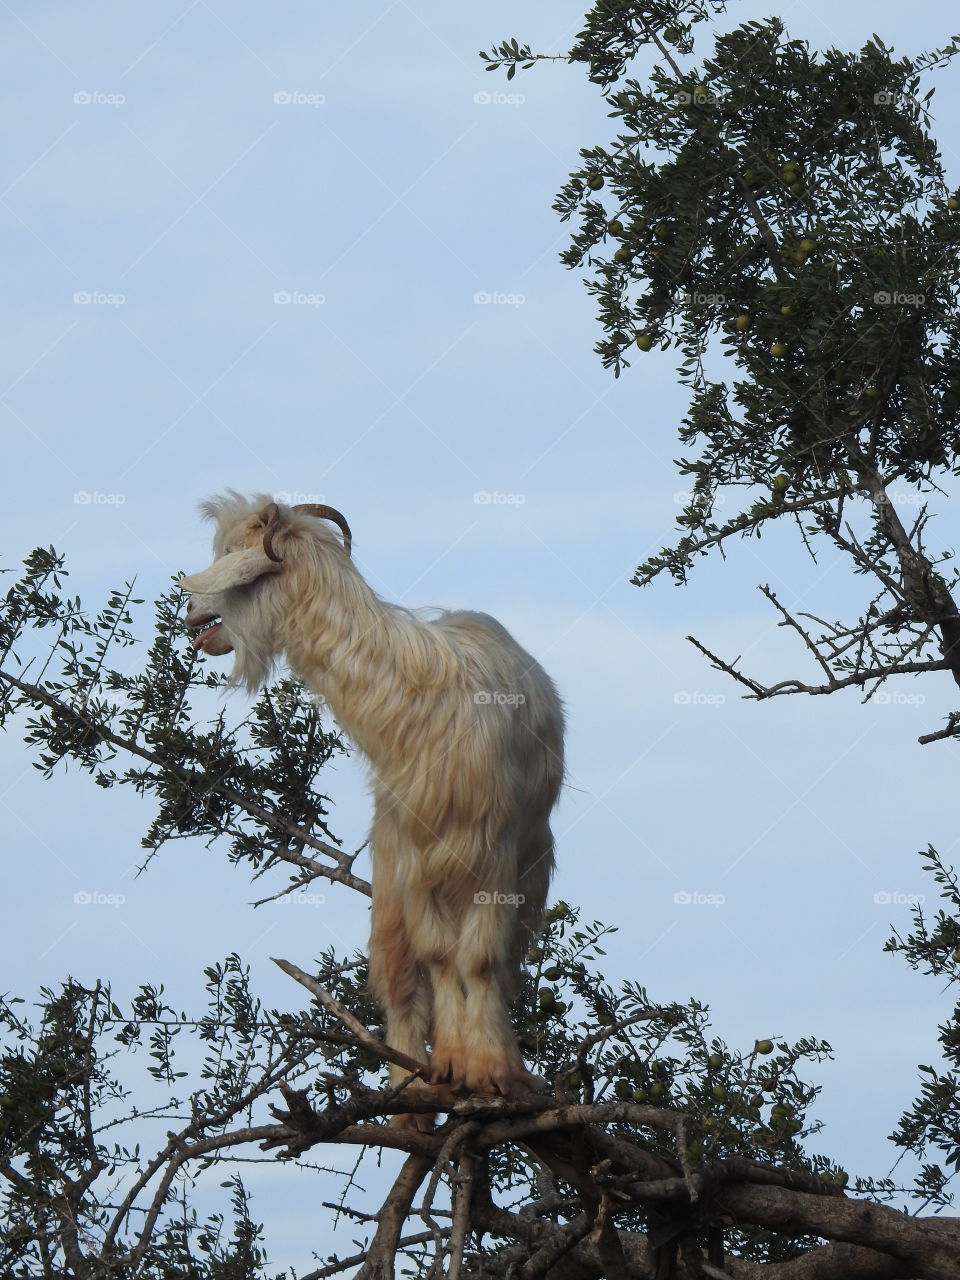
x=379, y=1262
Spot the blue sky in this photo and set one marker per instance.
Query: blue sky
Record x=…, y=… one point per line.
x=150, y=168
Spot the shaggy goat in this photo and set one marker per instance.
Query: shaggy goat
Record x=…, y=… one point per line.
x=464, y=733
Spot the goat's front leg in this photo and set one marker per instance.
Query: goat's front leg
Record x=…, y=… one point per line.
x=400, y=984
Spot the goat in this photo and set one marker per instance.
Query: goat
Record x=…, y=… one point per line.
x=463, y=731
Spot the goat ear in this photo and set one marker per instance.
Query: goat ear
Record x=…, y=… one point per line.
x=237, y=569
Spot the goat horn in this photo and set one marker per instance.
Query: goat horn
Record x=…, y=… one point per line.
x=328, y=513
x=272, y=519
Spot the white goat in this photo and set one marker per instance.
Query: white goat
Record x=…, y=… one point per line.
x=464, y=733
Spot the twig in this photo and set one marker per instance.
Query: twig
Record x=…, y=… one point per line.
x=352, y=1023
x=334, y=1268
x=951, y=731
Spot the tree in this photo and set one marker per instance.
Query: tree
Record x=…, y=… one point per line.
x=788, y=211
x=656, y=1149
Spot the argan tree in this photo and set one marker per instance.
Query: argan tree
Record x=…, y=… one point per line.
x=788, y=211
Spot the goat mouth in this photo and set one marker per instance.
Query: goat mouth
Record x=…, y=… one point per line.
x=205, y=631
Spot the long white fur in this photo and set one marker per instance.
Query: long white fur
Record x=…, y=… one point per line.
x=463, y=731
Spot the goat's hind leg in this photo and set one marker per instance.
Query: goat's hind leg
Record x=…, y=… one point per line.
x=474, y=1045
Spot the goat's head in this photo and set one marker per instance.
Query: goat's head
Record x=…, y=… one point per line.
x=238, y=601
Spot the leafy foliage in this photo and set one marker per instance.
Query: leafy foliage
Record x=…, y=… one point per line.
x=787, y=211
x=932, y=1125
